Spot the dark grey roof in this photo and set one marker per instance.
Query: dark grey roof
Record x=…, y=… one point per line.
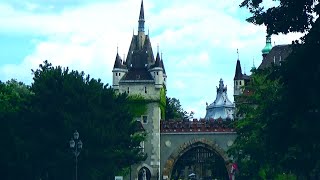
x=139, y=56
x=238, y=73
x=118, y=62
x=276, y=55
x=137, y=74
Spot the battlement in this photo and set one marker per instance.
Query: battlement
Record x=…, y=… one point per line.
x=195, y=126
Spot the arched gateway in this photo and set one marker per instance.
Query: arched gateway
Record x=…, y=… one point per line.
x=197, y=159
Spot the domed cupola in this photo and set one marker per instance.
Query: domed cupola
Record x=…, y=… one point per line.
x=222, y=107
x=268, y=46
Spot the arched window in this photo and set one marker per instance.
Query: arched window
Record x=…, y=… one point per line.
x=144, y=174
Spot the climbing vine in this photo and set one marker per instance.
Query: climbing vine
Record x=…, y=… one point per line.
x=162, y=102
x=138, y=105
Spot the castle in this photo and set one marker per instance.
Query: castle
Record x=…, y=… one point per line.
x=180, y=149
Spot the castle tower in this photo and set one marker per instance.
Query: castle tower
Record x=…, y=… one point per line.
x=238, y=79
x=144, y=76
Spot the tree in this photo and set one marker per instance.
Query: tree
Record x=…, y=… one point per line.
x=288, y=16
x=14, y=103
x=282, y=126
x=257, y=147
x=41, y=124
x=174, y=111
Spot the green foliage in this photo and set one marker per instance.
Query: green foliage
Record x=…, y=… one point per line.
x=174, y=111
x=287, y=16
x=163, y=102
x=282, y=121
x=257, y=134
x=39, y=125
x=137, y=105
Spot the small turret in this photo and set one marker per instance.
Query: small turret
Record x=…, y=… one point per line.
x=118, y=71
x=238, y=78
x=157, y=72
x=268, y=46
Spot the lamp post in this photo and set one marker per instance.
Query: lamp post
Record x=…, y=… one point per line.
x=76, y=146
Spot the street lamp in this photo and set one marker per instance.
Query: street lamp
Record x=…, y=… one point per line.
x=76, y=146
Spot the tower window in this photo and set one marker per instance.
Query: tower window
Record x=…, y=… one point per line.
x=142, y=146
x=119, y=74
x=128, y=90
x=236, y=83
x=145, y=89
x=116, y=74
x=157, y=73
x=240, y=82
x=144, y=119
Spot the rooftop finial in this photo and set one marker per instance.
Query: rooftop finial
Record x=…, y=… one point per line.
x=141, y=18
x=158, y=48
x=117, y=48
x=253, y=63
x=238, y=52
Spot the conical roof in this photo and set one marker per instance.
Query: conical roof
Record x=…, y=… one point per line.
x=117, y=62
x=238, y=74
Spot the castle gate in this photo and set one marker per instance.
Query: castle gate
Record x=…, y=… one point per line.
x=195, y=150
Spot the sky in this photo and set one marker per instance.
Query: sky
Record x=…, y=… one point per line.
x=198, y=38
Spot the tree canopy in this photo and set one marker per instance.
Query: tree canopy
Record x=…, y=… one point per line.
x=42, y=119
x=280, y=117
x=287, y=16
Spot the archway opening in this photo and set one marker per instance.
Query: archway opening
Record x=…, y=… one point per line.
x=200, y=162
x=144, y=174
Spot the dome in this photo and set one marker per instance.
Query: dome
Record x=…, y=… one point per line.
x=268, y=46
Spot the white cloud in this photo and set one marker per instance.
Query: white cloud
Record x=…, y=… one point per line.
x=199, y=40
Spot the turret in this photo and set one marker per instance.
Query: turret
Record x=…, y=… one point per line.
x=118, y=71
x=268, y=46
x=157, y=72
x=238, y=79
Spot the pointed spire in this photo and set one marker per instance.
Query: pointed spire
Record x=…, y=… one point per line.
x=141, y=18
x=158, y=61
x=238, y=74
x=117, y=62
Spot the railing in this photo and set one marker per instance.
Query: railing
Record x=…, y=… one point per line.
x=195, y=126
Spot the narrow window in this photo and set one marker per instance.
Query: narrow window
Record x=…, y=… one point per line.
x=128, y=90
x=157, y=73
x=119, y=74
x=240, y=82
x=236, y=83
x=116, y=74
x=145, y=89
x=144, y=119
x=142, y=146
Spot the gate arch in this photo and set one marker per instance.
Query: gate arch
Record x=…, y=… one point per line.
x=185, y=147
